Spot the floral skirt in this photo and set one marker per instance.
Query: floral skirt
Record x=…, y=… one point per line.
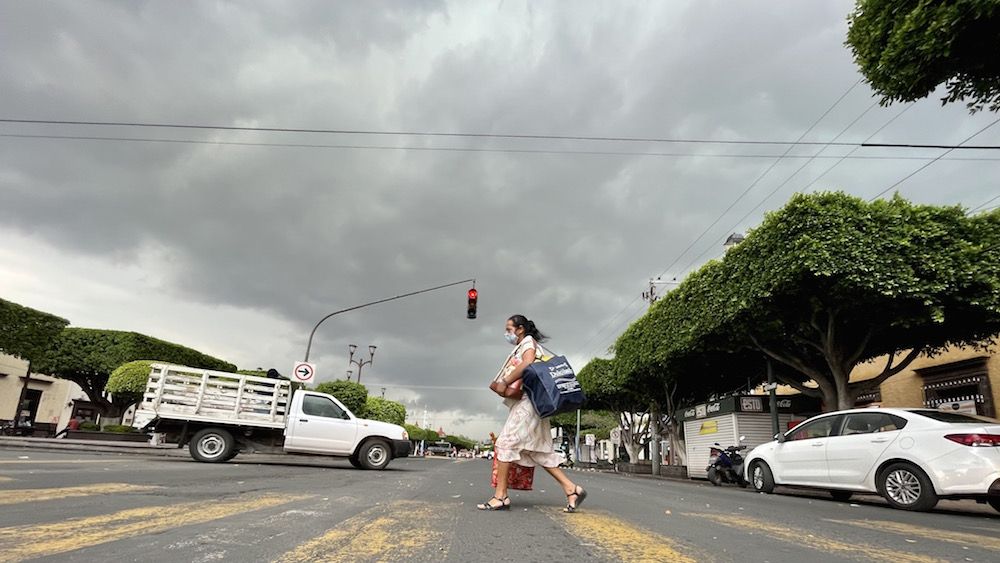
x=526, y=438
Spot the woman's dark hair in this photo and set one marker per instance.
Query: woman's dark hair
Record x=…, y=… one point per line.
x=520, y=321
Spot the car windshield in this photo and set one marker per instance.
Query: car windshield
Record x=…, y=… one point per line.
x=955, y=417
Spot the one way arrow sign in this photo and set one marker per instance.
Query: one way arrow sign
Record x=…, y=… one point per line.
x=304, y=372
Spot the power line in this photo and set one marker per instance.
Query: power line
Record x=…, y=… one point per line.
x=985, y=203
x=462, y=149
x=606, y=325
x=473, y=135
x=758, y=179
x=917, y=171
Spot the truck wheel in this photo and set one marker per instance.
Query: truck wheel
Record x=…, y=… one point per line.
x=994, y=502
x=761, y=477
x=212, y=445
x=355, y=461
x=374, y=454
x=905, y=486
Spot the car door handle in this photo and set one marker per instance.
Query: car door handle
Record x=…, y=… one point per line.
x=880, y=441
x=817, y=444
x=303, y=420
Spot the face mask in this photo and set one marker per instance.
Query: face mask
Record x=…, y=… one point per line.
x=510, y=337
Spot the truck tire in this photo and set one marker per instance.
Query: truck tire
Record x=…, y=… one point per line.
x=212, y=445
x=355, y=461
x=375, y=454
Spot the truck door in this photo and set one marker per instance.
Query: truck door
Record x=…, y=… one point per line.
x=321, y=426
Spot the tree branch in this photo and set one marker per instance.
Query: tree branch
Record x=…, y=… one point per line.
x=890, y=370
x=790, y=361
x=798, y=386
x=852, y=359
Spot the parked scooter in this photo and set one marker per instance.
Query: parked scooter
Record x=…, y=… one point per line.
x=726, y=465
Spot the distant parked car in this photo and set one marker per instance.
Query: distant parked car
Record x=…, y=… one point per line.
x=912, y=457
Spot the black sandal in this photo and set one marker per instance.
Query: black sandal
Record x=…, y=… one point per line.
x=504, y=504
x=581, y=495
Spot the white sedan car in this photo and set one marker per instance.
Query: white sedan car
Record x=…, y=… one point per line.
x=912, y=457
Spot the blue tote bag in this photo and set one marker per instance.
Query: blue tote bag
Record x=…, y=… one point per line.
x=551, y=385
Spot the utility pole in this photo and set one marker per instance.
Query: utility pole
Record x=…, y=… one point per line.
x=654, y=409
x=772, y=387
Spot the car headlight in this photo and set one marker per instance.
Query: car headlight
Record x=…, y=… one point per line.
x=406, y=436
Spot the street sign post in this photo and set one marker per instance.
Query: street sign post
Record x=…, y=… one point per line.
x=303, y=372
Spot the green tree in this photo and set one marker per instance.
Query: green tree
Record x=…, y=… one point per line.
x=25, y=332
x=88, y=356
x=612, y=389
x=830, y=281
x=127, y=382
x=353, y=394
x=907, y=48
x=385, y=410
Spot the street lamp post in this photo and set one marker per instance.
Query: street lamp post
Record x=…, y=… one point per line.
x=349, y=374
x=361, y=362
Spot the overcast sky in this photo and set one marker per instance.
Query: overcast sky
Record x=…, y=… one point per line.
x=237, y=250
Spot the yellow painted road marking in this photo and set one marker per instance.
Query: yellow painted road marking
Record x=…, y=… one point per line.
x=18, y=543
x=30, y=461
x=807, y=538
x=623, y=541
x=961, y=538
x=28, y=495
x=4, y=479
x=400, y=531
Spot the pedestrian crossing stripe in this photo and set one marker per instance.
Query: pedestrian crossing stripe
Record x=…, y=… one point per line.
x=620, y=539
x=16, y=496
x=402, y=530
x=18, y=543
x=810, y=539
x=934, y=534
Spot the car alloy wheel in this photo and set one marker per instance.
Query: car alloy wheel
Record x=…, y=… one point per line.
x=903, y=487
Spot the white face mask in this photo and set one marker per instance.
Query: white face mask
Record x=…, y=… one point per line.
x=510, y=337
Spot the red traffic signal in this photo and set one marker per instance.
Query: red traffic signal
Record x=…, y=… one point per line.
x=473, y=298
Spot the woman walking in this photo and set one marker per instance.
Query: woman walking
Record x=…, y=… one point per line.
x=526, y=438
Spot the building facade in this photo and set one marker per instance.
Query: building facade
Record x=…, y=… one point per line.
x=49, y=403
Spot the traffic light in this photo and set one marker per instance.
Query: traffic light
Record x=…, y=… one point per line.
x=473, y=296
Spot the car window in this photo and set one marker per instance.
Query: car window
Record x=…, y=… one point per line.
x=821, y=428
x=954, y=417
x=871, y=422
x=321, y=406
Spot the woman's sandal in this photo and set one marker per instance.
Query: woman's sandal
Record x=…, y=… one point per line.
x=504, y=504
x=581, y=495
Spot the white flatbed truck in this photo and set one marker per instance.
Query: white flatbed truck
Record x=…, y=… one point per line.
x=218, y=415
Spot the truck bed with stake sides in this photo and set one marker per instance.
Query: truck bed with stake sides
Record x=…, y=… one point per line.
x=218, y=415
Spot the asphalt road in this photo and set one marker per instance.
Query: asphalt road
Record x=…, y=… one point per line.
x=68, y=506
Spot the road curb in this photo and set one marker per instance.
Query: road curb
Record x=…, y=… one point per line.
x=89, y=446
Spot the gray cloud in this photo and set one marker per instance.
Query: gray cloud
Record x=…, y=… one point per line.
x=293, y=233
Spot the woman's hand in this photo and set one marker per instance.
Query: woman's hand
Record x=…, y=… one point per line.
x=500, y=387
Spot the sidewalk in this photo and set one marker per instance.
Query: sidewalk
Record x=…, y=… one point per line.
x=61, y=444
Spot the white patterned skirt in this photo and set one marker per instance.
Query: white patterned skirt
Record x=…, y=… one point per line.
x=526, y=438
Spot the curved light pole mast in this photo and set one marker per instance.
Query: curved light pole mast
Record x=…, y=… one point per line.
x=363, y=305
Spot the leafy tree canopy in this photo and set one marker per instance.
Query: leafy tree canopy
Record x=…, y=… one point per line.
x=25, y=332
x=88, y=356
x=385, y=410
x=907, y=48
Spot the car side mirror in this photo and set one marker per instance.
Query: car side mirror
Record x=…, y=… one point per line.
x=779, y=437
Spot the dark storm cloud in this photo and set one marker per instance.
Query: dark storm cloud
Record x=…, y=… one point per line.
x=298, y=232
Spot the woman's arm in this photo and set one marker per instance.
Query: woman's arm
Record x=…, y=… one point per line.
x=526, y=358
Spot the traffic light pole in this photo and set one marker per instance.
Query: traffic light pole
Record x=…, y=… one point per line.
x=363, y=305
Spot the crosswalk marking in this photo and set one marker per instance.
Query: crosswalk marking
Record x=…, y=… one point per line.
x=399, y=531
x=809, y=538
x=935, y=534
x=620, y=539
x=16, y=496
x=18, y=543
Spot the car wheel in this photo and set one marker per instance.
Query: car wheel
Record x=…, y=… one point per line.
x=714, y=477
x=761, y=477
x=212, y=445
x=907, y=487
x=841, y=496
x=994, y=502
x=374, y=454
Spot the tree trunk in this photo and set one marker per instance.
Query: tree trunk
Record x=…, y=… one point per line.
x=654, y=436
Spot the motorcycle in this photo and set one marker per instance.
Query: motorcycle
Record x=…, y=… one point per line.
x=725, y=465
